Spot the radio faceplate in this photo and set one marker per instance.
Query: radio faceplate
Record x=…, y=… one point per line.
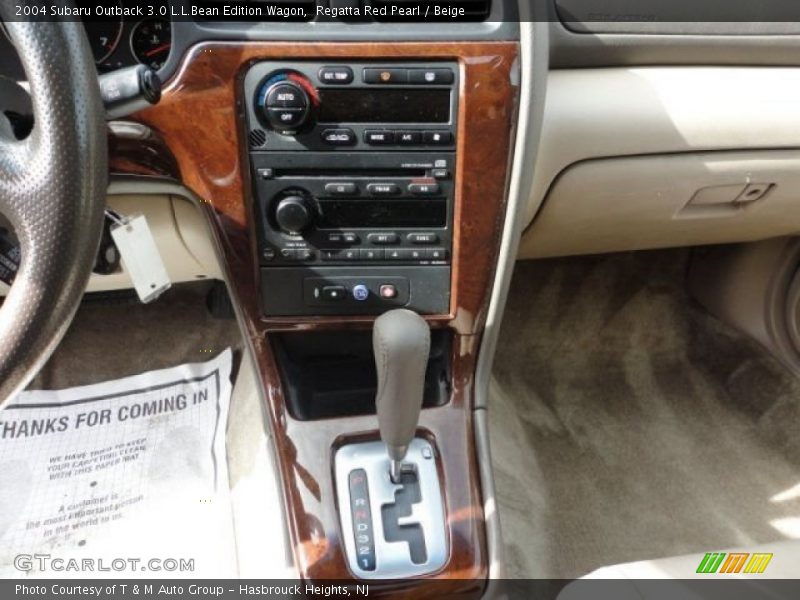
x=342, y=230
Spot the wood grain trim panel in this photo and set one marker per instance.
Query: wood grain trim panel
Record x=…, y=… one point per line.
x=200, y=119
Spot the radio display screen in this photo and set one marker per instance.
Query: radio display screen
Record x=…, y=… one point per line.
x=384, y=106
x=341, y=214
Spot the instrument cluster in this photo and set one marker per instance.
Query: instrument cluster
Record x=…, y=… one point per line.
x=125, y=41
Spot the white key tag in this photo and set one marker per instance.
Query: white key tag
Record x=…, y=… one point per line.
x=141, y=257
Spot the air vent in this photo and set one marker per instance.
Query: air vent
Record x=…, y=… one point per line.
x=452, y=10
x=257, y=138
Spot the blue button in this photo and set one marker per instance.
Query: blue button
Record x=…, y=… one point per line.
x=360, y=292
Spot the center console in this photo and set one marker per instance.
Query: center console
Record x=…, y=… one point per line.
x=346, y=180
x=353, y=167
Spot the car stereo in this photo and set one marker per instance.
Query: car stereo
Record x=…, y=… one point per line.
x=353, y=171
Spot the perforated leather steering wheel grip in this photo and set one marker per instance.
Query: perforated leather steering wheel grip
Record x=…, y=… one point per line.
x=52, y=190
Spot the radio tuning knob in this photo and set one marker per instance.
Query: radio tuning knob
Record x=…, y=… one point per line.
x=285, y=105
x=294, y=213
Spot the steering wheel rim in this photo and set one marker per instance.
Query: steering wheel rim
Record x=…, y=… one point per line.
x=52, y=190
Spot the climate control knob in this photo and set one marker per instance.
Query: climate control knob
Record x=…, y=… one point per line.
x=285, y=104
x=294, y=213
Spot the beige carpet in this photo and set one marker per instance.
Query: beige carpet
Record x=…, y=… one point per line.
x=628, y=424
x=117, y=337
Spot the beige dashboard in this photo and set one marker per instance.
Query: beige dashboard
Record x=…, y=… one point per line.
x=180, y=232
x=627, y=155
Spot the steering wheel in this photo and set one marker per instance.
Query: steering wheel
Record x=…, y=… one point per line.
x=52, y=190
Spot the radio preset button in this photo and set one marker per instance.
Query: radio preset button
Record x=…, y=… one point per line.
x=423, y=189
x=431, y=76
x=383, y=239
x=437, y=138
x=436, y=253
x=376, y=137
x=339, y=254
x=339, y=137
x=395, y=254
x=422, y=238
x=383, y=189
x=338, y=75
x=339, y=189
x=408, y=138
x=385, y=76
x=371, y=254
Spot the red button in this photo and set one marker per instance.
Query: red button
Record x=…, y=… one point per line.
x=388, y=291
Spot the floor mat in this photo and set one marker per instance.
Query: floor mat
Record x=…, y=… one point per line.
x=628, y=424
x=115, y=335
x=129, y=475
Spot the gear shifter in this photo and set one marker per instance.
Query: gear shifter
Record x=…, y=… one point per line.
x=401, y=341
x=394, y=516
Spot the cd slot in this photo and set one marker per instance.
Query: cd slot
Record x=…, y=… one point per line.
x=349, y=172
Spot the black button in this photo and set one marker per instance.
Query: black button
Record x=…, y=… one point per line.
x=304, y=254
x=415, y=253
x=436, y=254
x=371, y=254
x=331, y=254
x=386, y=76
x=340, y=75
x=339, y=137
x=383, y=189
x=288, y=117
x=335, y=238
x=395, y=254
x=350, y=254
x=382, y=239
x=339, y=189
x=268, y=254
x=350, y=238
x=339, y=254
x=265, y=173
x=438, y=138
x=423, y=189
x=285, y=96
x=334, y=293
x=408, y=138
x=422, y=238
x=431, y=76
x=376, y=137
x=440, y=173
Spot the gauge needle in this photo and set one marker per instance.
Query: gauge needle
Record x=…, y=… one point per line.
x=160, y=48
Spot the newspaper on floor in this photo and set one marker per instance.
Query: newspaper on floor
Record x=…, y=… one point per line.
x=119, y=479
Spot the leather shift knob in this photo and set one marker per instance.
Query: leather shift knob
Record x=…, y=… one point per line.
x=401, y=341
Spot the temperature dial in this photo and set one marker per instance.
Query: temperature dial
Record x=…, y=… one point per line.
x=294, y=212
x=285, y=102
